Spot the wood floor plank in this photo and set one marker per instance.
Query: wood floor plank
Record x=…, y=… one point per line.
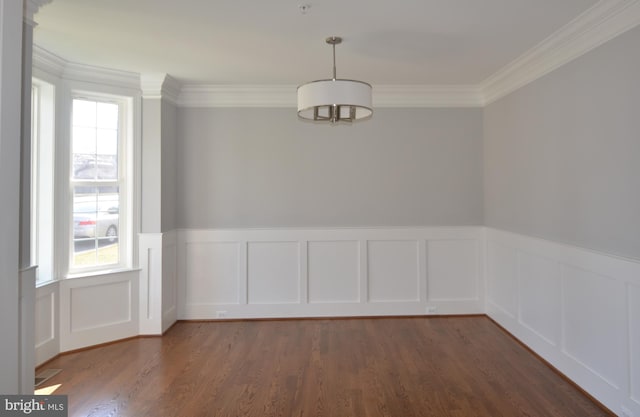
x=408, y=367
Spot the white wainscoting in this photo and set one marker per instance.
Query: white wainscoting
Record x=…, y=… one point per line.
x=169, y=280
x=47, y=335
x=98, y=309
x=330, y=272
x=158, y=282
x=150, y=305
x=578, y=309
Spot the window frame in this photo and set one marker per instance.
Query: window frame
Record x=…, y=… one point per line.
x=125, y=182
x=43, y=165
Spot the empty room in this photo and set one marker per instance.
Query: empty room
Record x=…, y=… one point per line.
x=296, y=208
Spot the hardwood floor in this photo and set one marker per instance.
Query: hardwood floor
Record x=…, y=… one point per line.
x=400, y=367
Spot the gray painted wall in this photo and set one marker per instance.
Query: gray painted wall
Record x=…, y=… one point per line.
x=264, y=168
x=168, y=155
x=562, y=155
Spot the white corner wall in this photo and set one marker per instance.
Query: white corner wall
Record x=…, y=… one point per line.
x=578, y=309
x=329, y=272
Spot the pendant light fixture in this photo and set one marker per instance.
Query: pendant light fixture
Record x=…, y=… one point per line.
x=336, y=99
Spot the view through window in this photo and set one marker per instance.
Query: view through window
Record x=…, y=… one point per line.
x=96, y=183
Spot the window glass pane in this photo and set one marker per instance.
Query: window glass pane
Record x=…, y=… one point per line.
x=107, y=143
x=107, y=116
x=84, y=140
x=95, y=149
x=84, y=166
x=107, y=167
x=96, y=222
x=107, y=158
x=84, y=113
x=83, y=143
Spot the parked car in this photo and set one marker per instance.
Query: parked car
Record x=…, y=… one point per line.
x=91, y=221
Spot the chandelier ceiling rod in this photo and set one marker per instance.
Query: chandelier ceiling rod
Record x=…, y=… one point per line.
x=333, y=41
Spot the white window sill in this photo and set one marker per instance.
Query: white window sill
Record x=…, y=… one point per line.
x=101, y=272
x=45, y=283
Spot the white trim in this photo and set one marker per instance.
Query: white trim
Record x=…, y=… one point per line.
x=52, y=64
x=31, y=7
x=102, y=76
x=597, y=25
x=47, y=62
x=159, y=85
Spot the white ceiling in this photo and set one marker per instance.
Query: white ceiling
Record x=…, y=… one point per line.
x=431, y=42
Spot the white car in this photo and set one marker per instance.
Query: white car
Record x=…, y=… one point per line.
x=90, y=222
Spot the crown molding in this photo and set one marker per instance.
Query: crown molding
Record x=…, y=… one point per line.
x=103, y=76
x=597, y=25
x=158, y=86
x=285, y=96
x=47, y=62
x=31, y=7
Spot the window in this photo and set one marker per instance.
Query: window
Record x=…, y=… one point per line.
x=42, y=174
x=98, y=183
